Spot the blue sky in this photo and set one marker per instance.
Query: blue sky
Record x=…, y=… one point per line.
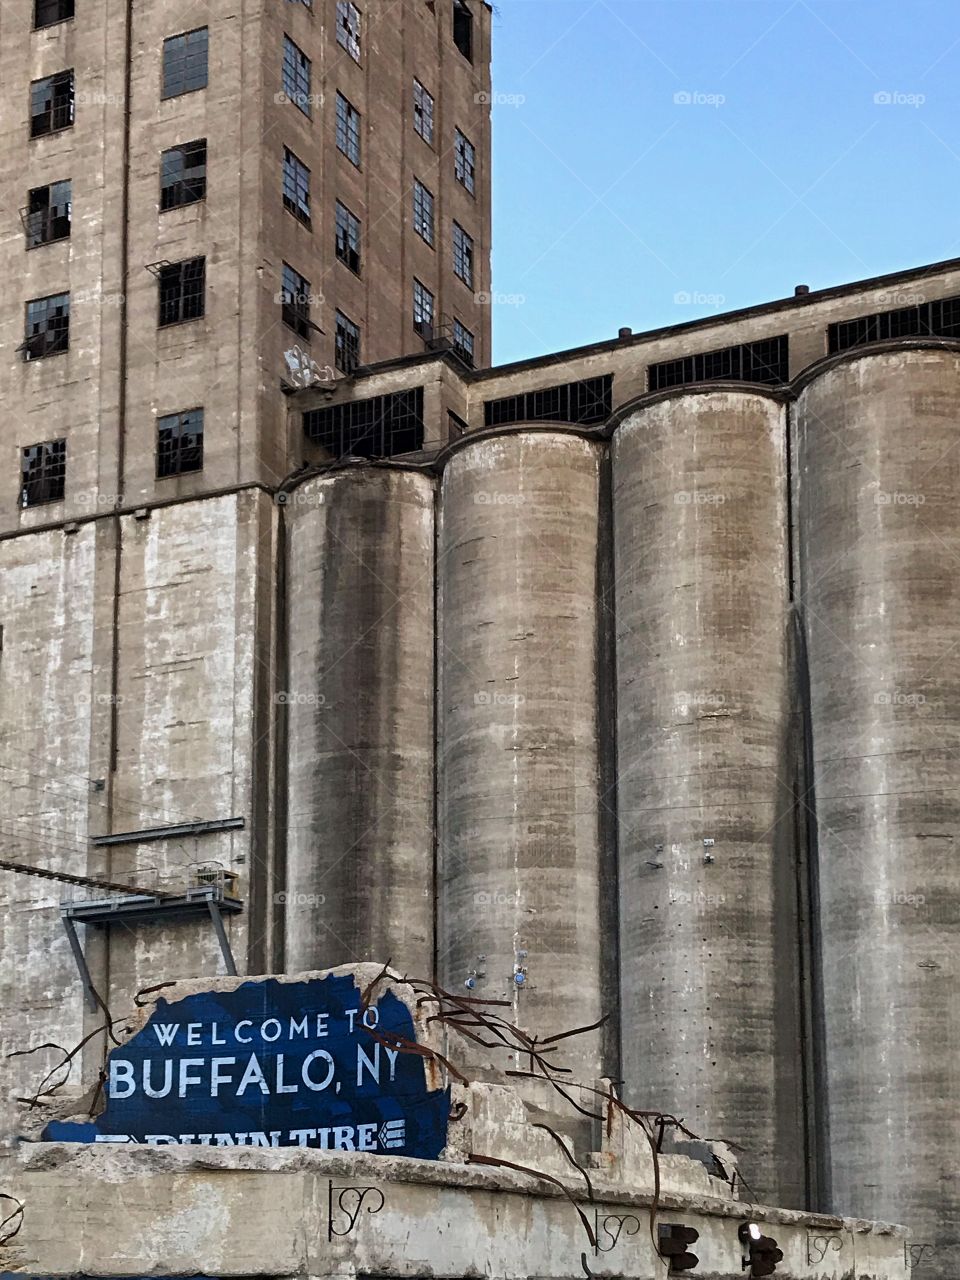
x=659, y=160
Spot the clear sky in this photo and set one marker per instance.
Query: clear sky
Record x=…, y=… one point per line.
x=659, y=160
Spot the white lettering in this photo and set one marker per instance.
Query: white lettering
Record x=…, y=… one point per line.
x=244, y=1022
x=303, y=1136
x=392, y=1054
x=271, y=1022
x=371, y=1016
x=185, y=1077
x=343, y=1138
x=281, y=1087
x=305, y=1072
x=299, y=1028
x=213, y=1036
x=217, y=1078
x=373, y=1066
x=252, y=1075
x=159, y=1139
x=367, y=1137
x=121, y=1073
x=193, y=1033
x=166, y=1031
x=148, y=1088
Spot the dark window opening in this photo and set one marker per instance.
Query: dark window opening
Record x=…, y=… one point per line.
x=296, y=76
x=48, y=214
x=185, y=60
x=382, y=427
x=51, y=104
x=43, y=473
x=348, y=28
x=46, y=13
x=465, y=162
x=296, y=187
x=183, y=174
x=939, y=319
x=766, y=361
x=48, y=327
x=347, y=354
x=295, y=302
x=348, y=129
x=422, y=310
x=182, y=287
x=423, y=112
x=585, y=403
x=463, y=28
x=463, y=342
x=348, y=238
x=423, y=211
x=462, y=254
x=179, y=443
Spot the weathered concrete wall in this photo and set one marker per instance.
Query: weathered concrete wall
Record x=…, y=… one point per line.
x=879, y=541
x=359, y=707
x=522, y=866
x=711, y=1030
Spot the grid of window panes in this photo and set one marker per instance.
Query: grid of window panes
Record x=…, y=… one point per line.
x=43, y=472
x=465, y=162
x=422, y=309
x=48, y=326
x=348, y=129
x=348, y=237
x=179, y=443
x=422, y=211
x=185, y=63
x=585, y=403
x=47, y=216
x=462, y=254
x=296, y=75
x=347, y=344
x=295, y=301
x=348, y=28
x=381, y=427
x=296, y=186
x=52, y=104
x=182, y=286
x=423, y=112
x=183, y=174
x=463, y=342
x=939, y=319
x=766, y=361
x=48, y=12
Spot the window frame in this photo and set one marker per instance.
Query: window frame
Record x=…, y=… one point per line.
x=46, y=215
x=53, y=22
x=57, y=80
x=295, y=171
x=424, y=213
x=183, y=298
x=423, y=120
x=50, y=477
x=53, y=338
x=465, y=162
x=465, y=350
x=166, y=93
x=463, y=28
x=295, y=301
x=350, y=32
x=182, y=420
x=464, y=254
x=346, y=355
x=348, y=252
x=182, y=182
x=349, y=130
x=424, y=327
x=295, y=72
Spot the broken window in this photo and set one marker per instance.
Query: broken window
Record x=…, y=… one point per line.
x=43, y=472
x=423, y=112
x=463, y=28
x=928, y=319
x=586, y=403
x=348, y=28
x=51, y=104
x=185, y=63
x=295, y=301
x=462, y=254
x=463, y=342
x=347, y=344
x=465, y=162
x=422, y=310
x=296, y=76
x=423, y=211
x=766, y=361
x=179, y=443
x=348, y=129
x=48, y=327
x=348, y=238
x=381, y=427
x=296, y=186
x=182, y=286
x=47, y=215
x=48, y=12
x=183, y=174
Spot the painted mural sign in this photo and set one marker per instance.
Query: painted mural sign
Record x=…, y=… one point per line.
x=272, y=1064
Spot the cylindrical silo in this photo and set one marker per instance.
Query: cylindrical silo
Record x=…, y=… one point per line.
x=524, y=879
x=359, y=695
x=708, y=942
x=878, y=522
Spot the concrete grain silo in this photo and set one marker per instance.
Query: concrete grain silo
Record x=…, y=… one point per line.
x=877, y=484
x=359, y=704
x=525, y=881
x=708, y=941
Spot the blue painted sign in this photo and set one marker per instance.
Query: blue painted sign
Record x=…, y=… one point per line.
x=272, y=1064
